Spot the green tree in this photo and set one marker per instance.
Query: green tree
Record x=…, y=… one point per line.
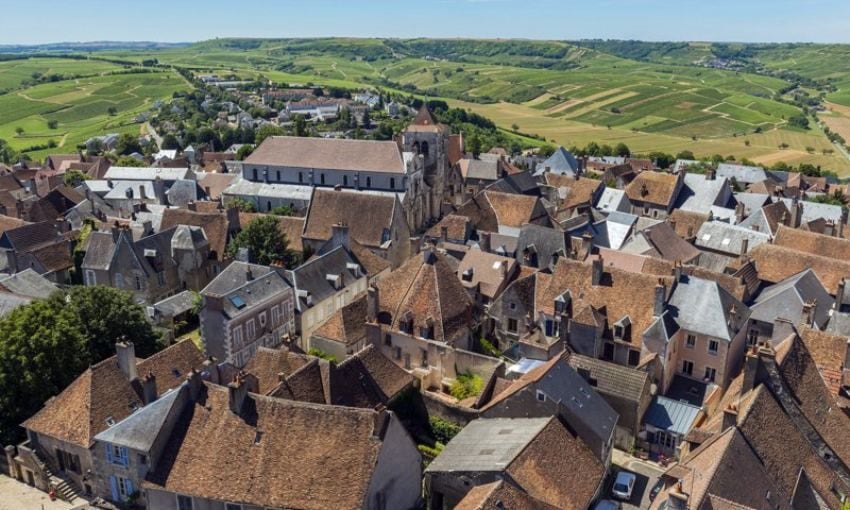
x=473, y=145
x=367, y=119
x=127, y=144
x=42, y=350
x=241, y=204
x=266, y=131
x=622, y=150
x=106, y=315
x=282, y=210
x=73, y=178
x=170, y=143
x=130, y=161
x=265, y=241
x=685, y=155
x=300, y=126
x=19, y=130
x=112, y=111
x=8, y=155
x=546, y=150
x=52, y=124
x=244, y=152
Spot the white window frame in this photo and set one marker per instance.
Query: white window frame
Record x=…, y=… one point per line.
x=541, y=397
x=91, y=277
x=250, y=331
x=716, y=344
x=236, y=336
x=688, y=343
x=712, y=371
x=263, y=319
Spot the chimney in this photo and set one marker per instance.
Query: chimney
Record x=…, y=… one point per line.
x=730, y=417
x=126, y=354
x=149, y=388
x=237, y=391
x=142, y=193
x=839, y=295
x=677, y=270
x=796, y=213
x=672, y=223
x=745, y=246
x=444, y=234
x=754, y=371
x=782, y=329
x=485, y=242
x=740, y=210
x=340, y=235
x=159, y=191
x=808, y=315
x=596, y=271
x=192, y=206
x=428, y=255
x=587, y=243
x=660, y=291
x=194, y=382
x=373, y=302
x=381, y=423
x=249, y=274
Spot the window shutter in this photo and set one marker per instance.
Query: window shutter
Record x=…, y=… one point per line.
x=125, y=458
x=129, y=486
x=109, y=454
x=113, y=484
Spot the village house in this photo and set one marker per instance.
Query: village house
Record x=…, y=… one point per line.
x=541, y=456
x=43, y=247
x=653, y=194
x=61, y=438
x=245, y=307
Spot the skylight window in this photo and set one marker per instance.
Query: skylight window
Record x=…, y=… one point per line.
x=238, y=302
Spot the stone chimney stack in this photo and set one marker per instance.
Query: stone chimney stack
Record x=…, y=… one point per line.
x=373, y=303
x=745, y=246
x=237, y=391
x=116, y=231
x=839, y=295
x=739, y=212
x=730, y=417
x=194, y=383
x=126, y=354
x=796, y=213
x=597, y=269
x=149, y=388
x=660, y=294
x=340, y=235
x=808, y=315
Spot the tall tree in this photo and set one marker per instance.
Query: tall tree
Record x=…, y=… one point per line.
x=265, y=241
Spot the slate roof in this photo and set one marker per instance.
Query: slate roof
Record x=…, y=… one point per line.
x=561, y=162
x=671, y=415
x=742, y=174
x=613, y=199
x=368, y=216
x=700, y=193
x=661, y=241
x=28, y=283
x=612, y=379
x=267, y=451
x=547, y=242
x=704, y=307
x=479, y=169
x=752, y=201
x=8, y=302
x=175, y=305
x=728, y=239
x=216, y=226
x=311, y=276
x=786, y=299
x=813, y=210
x=768, y=218
x=233, y=277
x=140, y=430
x=103, y=391
x=120, y=173
x=328, y=154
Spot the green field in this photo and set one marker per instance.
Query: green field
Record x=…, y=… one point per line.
x=653, y=96
x=81, y=108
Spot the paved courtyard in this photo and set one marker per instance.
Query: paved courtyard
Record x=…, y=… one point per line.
x=647, y=475
x=15, y=495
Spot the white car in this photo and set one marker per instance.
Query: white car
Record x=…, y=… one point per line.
x=624, y=485
x=607, y=504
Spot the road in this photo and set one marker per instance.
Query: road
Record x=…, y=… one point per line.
x=17, y=496
x=647, y=475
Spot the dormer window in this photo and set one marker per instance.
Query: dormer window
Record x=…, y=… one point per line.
x=427, y=330
x=355, y=269
x=335, y=280
x=467, y=275
x=622, y=329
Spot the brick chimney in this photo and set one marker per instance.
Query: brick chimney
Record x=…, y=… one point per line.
x=839, y=295
x=195, y=382
x=597, y=269
x=192, y=206
x=730, y=417
x=149, y=392
x=126, y=354
x=373, y=303
x=237, y=391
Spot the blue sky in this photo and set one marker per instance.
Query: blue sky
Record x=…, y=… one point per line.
x=39, y=21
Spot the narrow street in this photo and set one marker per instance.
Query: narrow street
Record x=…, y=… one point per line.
x=647, y=473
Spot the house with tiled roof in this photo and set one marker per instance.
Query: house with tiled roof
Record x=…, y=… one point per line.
x=542, y=457
x=220, y=226
x=344, y=333
x=654, y=194
x=44, y=247
x=561, y=162
x=573, y=193
x=63, y=434
x=485, y=275
x=799, y=299
x=245, y=307
x=230, y=446
x=377, y=222
x=501, y=494
x=775, y=263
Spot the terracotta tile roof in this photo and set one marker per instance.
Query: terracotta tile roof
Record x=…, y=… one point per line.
x=514, y=210
x=290, y=226
x=828, y=352
x=686, y=223
x=558, y=468
x=489, y=272
x=776, y=263
x=580, y=190
x=328, y=154
x=389, y=377
x=522, y=382
x=54, y=257
x=347, y=325
x=216, y=226
x=103, y=391
x=667, y=245
x=277, y=471
x=455, y=150
x=214, y=183
x=427, y=291
x=653, y=187
x=457, y=227
x=425, y=122
x=499, y=496
x=775, y=214
x=715, y=468
x=267, y=363
x=621, y=293
x=368, y=216
x=373, y=264
x=810, y=242
x=480, y=213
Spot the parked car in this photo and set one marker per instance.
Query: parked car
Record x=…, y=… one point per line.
x=624, y=485
x=655, y=490
x=607, y=504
